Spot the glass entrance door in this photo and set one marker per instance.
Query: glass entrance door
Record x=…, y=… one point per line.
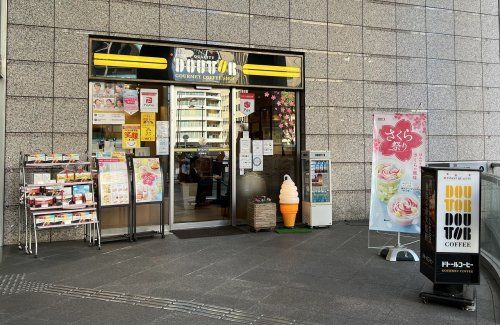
x=201, y=121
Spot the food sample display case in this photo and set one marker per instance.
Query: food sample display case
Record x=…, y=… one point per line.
x=316, y=189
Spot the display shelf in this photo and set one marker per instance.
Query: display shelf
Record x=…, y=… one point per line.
x=68, y=225
x=52, y=165
x=44, y=212
x=59, y=184
x=63, y=208
x=28, y=215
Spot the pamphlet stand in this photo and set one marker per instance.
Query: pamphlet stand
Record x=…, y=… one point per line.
x=135, y=234
x=50, y=215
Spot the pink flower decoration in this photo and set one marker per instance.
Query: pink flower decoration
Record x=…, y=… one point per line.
x=273, y=97
x=278, y=103
x=282, y=110
x=292, y=103
x=280, y=115
x=280, y=126
x=266, y=94
x=289, y=110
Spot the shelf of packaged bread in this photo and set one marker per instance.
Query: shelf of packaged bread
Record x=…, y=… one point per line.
x=63, y=209
x=59, y=184
x=46, y=165
x=67, y=225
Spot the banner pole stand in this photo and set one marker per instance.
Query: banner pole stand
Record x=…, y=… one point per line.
x=399, y=253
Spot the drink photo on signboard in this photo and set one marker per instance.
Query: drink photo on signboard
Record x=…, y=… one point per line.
x=398, y=154
x=148, y=180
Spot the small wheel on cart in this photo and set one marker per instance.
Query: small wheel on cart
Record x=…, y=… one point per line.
x=99, y=247
x=20, y=247
x=425, y=301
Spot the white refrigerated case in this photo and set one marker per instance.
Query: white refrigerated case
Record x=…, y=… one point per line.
x=316, y=189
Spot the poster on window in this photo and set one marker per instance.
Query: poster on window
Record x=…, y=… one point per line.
x=103, y=96
x=131, y=136
x=130, y=101
x=148, y=180
x=148, y=129
x=398, y=154
x=149, y=100
x=247, y=103
x=113, y=182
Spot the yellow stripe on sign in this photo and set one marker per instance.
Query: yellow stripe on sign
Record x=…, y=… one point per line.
x=135, y=58
x=267, y=73
x=126, y=64
x=129, y=61
x=260, y=67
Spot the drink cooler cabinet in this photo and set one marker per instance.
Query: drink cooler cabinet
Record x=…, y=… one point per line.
x=316, y=190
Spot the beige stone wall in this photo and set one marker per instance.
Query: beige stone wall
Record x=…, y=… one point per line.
x=361, y=57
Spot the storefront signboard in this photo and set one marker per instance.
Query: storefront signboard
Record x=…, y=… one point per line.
x=130, y=101
x=148, y=122
x=131, y=136
x=398, y=154
x=188, y=64
x=247, y=103
x=451, y=219
x=149, y=100
x=148, y=180
x=113, y=182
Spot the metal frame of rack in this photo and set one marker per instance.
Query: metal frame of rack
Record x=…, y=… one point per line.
x=27, y=222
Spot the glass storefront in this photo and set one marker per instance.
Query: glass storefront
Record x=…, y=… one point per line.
x=209, y=102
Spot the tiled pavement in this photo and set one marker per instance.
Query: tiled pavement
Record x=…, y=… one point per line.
x=327, y=277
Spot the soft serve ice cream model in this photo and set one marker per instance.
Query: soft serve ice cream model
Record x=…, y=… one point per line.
x=289, y=201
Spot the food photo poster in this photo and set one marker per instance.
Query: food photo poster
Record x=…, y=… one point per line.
x=398, y=154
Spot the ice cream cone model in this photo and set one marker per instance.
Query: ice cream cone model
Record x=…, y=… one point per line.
x=289, y=202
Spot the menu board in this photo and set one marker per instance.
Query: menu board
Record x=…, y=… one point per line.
x=113, y=182
x=148, y=180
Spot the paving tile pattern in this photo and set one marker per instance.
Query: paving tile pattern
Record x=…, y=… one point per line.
x=328, y=276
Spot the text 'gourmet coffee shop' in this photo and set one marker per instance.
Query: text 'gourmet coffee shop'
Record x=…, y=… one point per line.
x=222, y=124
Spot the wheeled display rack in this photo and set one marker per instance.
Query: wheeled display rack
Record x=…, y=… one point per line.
x=31, y=218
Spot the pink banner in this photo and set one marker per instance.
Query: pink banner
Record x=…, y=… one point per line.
x=398, y=154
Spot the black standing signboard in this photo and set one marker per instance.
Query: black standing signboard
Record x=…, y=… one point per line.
x=449, y=240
